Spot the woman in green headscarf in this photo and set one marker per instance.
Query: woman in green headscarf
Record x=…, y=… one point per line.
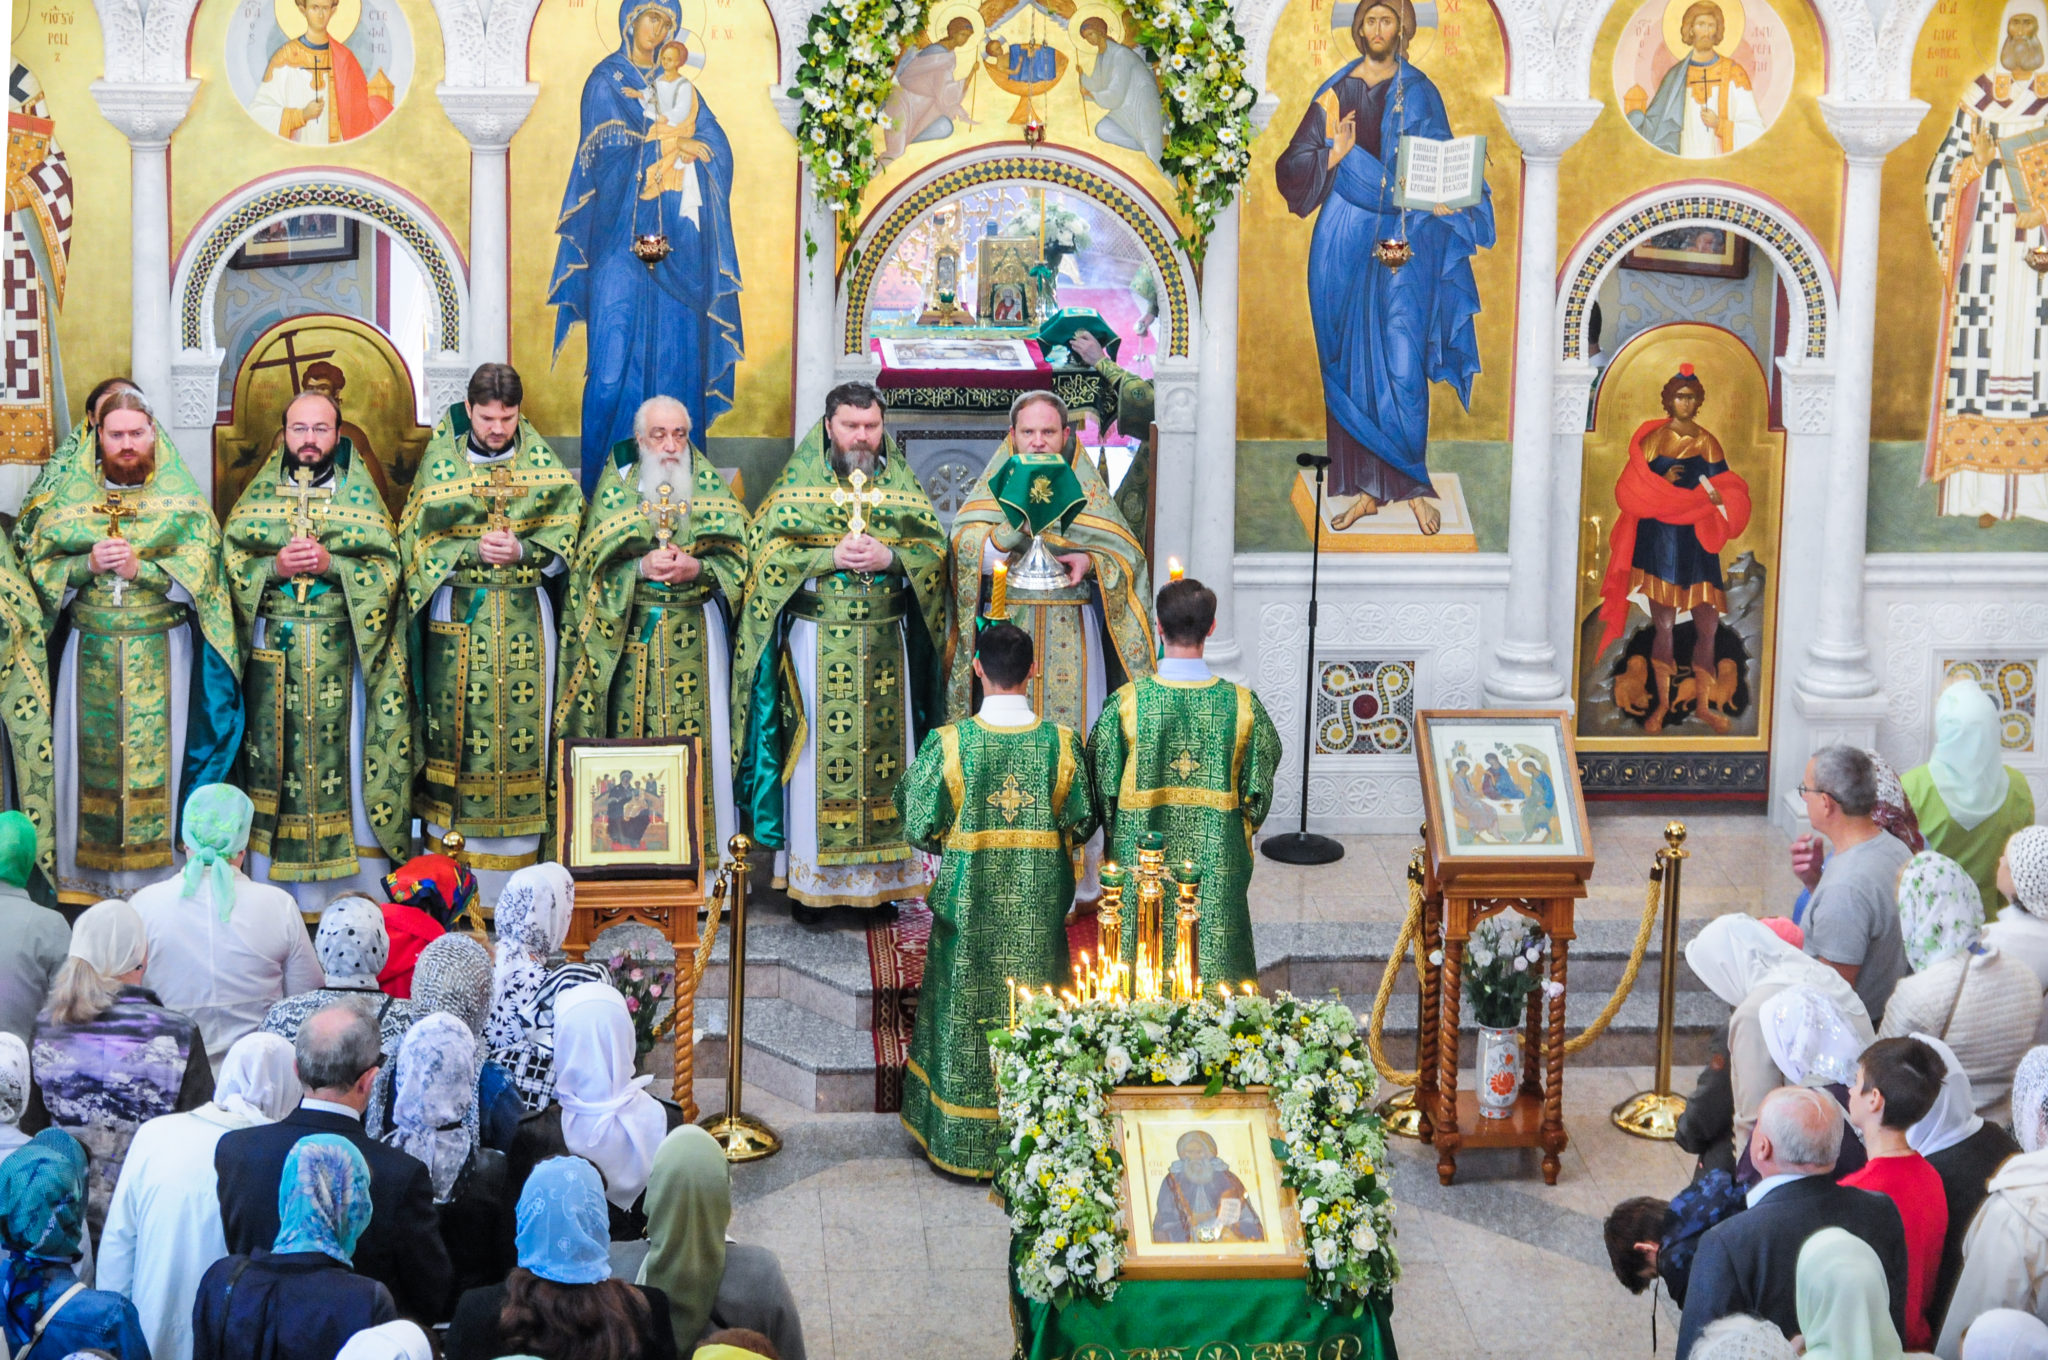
x=1968, y=802
x=712, y=1282
x=1844, y=1306
x=44, y=1310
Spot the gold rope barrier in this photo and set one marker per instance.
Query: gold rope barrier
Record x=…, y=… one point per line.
x=682, y=1013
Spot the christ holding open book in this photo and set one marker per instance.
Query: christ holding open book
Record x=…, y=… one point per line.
x=1383, y=333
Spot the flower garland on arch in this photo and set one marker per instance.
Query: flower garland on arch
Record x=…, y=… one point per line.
x=847, y=70
x=1060, y=1174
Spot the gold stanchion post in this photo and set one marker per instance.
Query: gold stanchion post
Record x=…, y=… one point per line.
x=1402, y=1114
x=1654, y=1113
x=744, y=1138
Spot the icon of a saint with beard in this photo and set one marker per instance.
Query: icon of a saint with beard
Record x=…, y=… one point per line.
x=1202, y=1200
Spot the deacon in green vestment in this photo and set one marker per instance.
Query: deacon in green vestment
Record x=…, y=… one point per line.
x=1126, y=402
x=125, y=557
x=836, y=671
x=1003, y=799
x=657, y=574
x=491, y=521
x=1191, y=756
x=327, y=741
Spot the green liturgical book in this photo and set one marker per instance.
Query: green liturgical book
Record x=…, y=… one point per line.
x=1039, y=491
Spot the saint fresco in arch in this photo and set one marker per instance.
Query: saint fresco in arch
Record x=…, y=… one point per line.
x=314, y=91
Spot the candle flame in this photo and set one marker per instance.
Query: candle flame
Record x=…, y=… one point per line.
x=1174, y=571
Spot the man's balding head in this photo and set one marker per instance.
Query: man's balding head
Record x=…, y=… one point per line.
x=337, y=1054
x=1798, y=1131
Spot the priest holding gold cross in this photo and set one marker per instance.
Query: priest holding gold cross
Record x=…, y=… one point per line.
x=487, y=531
x=312, y=562
x=836, y=673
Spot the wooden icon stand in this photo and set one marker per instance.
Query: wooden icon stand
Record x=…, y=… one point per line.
x=1466, y=880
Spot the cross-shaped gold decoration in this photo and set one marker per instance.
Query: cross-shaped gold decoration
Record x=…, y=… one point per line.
x=1184, y=765
x=304, y=493
x=664, y=517
x=115, y=511
x=1011, y=799
x=499, y=491
x=856, y=518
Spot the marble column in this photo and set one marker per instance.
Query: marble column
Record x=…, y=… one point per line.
x=1525, y=668
x=1212, y=543
x=147, y=113
x=487, y=116
x=1838, y=661
x=815, y=351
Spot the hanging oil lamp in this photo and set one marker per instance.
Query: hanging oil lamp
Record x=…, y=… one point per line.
x=1393, y=252
x=651, y=248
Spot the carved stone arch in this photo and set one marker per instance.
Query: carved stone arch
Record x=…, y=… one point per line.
x=1051, y=165
x=1795, y=254
x=1898, y=37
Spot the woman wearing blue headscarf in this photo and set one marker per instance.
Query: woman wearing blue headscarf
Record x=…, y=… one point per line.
x=300, y=1300
x=562, y=1302
x=48, y=1313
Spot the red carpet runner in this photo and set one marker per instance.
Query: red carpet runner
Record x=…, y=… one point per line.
x=896, y=951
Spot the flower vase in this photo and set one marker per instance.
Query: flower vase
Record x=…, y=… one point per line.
x=1500, y=1071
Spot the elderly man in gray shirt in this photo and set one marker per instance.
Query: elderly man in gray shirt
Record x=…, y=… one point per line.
x=33, y=939
x=1852, y=919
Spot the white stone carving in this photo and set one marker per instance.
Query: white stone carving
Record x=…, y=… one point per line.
x=145, y=112
x=1571, y=388
x=1808, y=388
x=487, y=116
x=1870, y=130
x=485, y=40
x=195, y=385
x=145, y=42
x=1545, y=129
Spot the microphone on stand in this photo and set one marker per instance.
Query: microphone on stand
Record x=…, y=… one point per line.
x=1303, y=846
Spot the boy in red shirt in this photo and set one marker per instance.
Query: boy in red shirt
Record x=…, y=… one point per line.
x=1897, y=1081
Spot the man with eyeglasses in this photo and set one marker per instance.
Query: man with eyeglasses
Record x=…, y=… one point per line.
x=1852, y=920
x=653, y=587
x=311, y=558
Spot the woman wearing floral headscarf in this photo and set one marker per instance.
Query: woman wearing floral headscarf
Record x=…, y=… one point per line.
x=562, y=1302
x=428, y=897
x=1968, y=801
x=532, y=920
x=453, y=977
x=2021, y=930
x=352, y=946
x=1983, y=1003
x=2005, y=1253
x=299, y=1300
x=47, y=1312
x=14, y=1089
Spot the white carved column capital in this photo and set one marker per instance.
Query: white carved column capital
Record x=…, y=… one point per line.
x=195, y=387
x=1808, y=395
x=1871, y=129
x=1571, y=387
x=1544, y=129
x=787, y=109
x=1262, y=111
x=487, y=116
x=145, y=112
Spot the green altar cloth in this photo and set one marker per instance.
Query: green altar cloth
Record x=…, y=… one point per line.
x=1202, y=1320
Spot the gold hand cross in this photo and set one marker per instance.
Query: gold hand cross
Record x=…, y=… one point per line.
x=856, y=518
x=304, y=493
x=498, y=491
x=664, y=516
x=116, y=511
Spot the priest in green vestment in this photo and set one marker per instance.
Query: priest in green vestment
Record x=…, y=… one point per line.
x=30, y=765
x=125, y=556
x=311, y=557
x=1091, y=636
x=1002, y=798
x=1192, y=756
x=487, y=530
x=81, y=438
x=836, y=671
x=1126, y=402
x=657, y=574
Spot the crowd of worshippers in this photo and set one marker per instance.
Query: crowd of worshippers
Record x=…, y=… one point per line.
x=375, y=680
x=221, y=1141
x=1871, y=1132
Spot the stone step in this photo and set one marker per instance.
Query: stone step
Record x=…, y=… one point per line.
x=824, y=972
x=792, y=1052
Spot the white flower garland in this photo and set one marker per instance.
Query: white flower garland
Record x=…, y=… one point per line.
x=1060, y=1172
x=847, y=72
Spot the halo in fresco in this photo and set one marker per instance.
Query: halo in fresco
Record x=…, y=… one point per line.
x=1703, y=78
x=319, y=72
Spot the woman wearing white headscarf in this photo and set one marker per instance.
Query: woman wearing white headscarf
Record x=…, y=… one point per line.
x=1814, y=1044
x=532, y=920
x=2021, y=930
x=1745, y=963
x=2005, y=1253
x=352, y=945
x=2006, y=1334
x=1983, y=1003
x=601, y=1111
x=164, y=1226
x=400, y=1340
x=1742, y=1337
x=14, y=1089
x=1967, y=801
x=1965, y=1150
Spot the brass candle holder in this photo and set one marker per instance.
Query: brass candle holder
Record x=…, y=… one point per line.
x=1109, y=917
x=1187, y=928
x=1149, y=977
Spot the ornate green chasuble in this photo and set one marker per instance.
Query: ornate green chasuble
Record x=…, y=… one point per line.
x=1004, y=808
x=298, y=747
x=864, y=704
x=1194, y=761
x=1120, y=585
x=25, y=704
x=126, y=819
x=481, y=726
x=633, y=660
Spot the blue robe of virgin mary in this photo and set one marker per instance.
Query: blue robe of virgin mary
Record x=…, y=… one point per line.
x=669, y=330
x=1383, y=335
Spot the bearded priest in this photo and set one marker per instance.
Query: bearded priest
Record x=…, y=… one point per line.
x=657, y=574
x=125, y=556
x=312, y=561
x=485, y=537
x=837, y=670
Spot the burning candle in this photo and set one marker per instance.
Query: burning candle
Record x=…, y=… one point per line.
x=999, y=592
x=1010, y=990
x=1174, y=570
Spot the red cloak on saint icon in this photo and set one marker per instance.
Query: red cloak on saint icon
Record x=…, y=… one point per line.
x=1642, y=494
x=356, y=110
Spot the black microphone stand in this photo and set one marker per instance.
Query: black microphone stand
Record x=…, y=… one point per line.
x=1303, y=846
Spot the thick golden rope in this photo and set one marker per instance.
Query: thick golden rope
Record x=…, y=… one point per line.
x=1405, y=945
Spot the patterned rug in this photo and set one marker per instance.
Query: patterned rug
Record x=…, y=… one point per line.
x=896, y=953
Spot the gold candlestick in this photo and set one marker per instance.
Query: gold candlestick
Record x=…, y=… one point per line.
x=1187, y=925
x=1109, y=918
x=1151, y=916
